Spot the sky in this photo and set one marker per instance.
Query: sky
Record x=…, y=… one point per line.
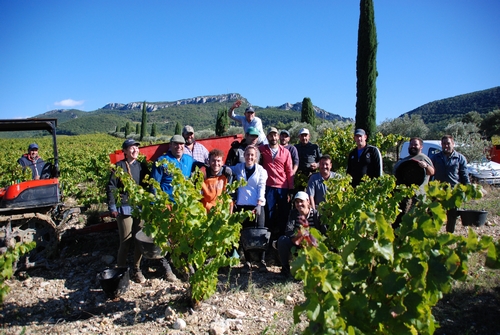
x=61, y=54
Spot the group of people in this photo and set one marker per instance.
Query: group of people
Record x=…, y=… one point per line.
x=268, y=163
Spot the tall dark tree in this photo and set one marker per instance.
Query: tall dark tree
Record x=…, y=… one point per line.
x=144, y=121
x=153, y=130
x=127, y=129
x=177, y=130
x=222, y=122
x=307, y=113
x=366, y=69
x=137, y=128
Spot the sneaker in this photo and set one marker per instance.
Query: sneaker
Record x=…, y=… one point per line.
x=138, y=277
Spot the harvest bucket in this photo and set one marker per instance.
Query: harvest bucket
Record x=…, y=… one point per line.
x=472, y=217
x=148, y=248
x=114, y=281
x=255, y=238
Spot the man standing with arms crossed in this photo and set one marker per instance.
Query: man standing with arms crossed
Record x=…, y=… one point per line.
x=364, y=159
x=450, y=167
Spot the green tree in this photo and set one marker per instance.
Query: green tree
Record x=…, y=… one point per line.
x=127, y=129
x=137, y=128
x=408, y=126
x=472, y=117
x=491, y=123
x=366, y=69
x=144, y=121
x=308, y=114
x=222, y=122
x=177, y=130
x=153, y=130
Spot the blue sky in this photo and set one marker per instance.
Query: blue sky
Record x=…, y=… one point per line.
x=85, y=54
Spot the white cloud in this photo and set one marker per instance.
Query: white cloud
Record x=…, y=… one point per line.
x=69, y=103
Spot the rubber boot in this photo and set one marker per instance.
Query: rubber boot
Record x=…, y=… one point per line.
x=169, y=275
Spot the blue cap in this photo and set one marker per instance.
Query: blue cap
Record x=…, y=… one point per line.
x=33, y=146
x=129, y=142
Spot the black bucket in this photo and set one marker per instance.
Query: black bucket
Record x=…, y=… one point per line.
x=472, y=217
x=148, y=248
x=114, y=281
x=255, y=238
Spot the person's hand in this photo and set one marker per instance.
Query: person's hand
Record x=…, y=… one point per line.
x=237, y=104
x=423, y=164
x=257, y=210
x=314, y=166
x=114, y=214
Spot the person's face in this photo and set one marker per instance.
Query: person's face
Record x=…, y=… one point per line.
x=189, y=138
x=33, y=153
x=272, y=138
x=415, y=148
x=251, y=139
x=304, y=138
x=177, y=149
x=132, y=152
x=250, y=157
x=284, y=139
x=325, y=166
x=215, y=164
x=447, y=145
x=249, y=116
x=360, y=140
x=302, y=206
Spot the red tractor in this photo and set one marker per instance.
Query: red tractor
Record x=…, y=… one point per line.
x=32, y=210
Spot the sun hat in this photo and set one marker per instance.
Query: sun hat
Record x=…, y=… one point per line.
x=304, y=131
x=252, y=131
x=301, y=195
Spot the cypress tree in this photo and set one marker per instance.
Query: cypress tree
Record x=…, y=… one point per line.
x=366, y=69
x=308, y=114
x=127, y=129
x=144, y=121
x=137, y=128
x=177, y=129
x=153, y=130
x=222, y=122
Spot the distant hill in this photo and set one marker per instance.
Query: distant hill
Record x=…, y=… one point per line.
x=200, y=112
x=454, y=108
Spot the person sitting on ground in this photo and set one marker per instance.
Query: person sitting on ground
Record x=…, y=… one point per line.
x=193, y=148
x=128, y=226
x=249, y=120
x=252, y=196
x=316, y=188
x=236, y=153
x=216, y=177
x=303, y=212
x=33, y=161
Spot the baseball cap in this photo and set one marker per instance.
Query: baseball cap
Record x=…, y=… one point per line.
x=359, y=132
x=33, y=146
x=177, y=139
x=249, y=110
x=301, y=195
x=285, y=132
x=129, y=142
x=188, y=129
x=304, y=131
x=252, y=131
x=272, y=130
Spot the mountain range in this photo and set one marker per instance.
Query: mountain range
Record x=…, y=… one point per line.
x=201, y=112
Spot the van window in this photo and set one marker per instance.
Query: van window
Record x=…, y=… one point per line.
x=432, y=152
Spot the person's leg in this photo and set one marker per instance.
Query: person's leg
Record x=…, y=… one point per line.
x=125, y=234
x=284, y=246
x=136, y=227
x=451, y=220
x=283, y=210
x=271, y=205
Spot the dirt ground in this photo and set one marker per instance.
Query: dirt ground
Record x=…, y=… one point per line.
x=65, y=297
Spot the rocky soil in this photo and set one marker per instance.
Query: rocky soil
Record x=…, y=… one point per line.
x=65, y=297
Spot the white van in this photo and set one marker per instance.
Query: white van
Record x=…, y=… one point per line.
x=431, y=147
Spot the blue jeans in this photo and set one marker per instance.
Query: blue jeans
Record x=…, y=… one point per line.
x=277, y=209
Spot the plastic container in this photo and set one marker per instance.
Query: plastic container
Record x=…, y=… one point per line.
x=148, y=248
x=473, y=217
x=255, y=238
x=114, y=281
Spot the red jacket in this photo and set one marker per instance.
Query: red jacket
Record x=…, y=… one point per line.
x=279, y=169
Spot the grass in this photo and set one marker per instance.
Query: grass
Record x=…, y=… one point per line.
x=489, y=202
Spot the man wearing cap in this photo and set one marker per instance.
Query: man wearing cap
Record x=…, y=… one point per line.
x=277, y=161
x=309, y=155
x=33, y=161
x=193, y=148
x=128, y=225
x=364, y=159
x=176, y=156
x=285, y=141
x=236, y=153
x=302, y=213
x=249, y=120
